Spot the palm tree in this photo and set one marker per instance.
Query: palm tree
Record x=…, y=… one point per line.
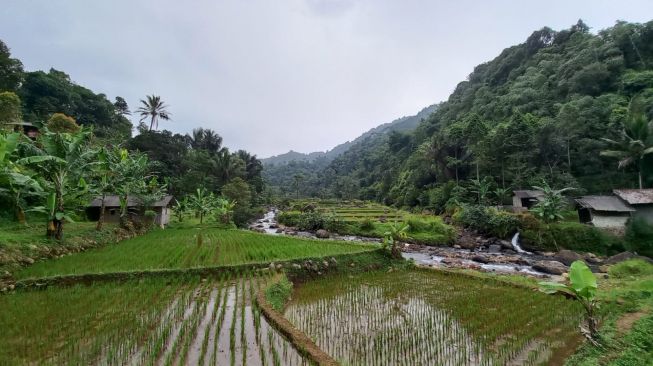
x=154, y=109
x=636, y=139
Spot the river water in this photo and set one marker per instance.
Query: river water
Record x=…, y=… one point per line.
x=517, y=261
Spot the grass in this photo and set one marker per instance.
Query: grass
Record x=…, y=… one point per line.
x=19, y=242
x=373, y=220
x=189, y=248
x=151, y=321
x=429, y=317
x=626, y=293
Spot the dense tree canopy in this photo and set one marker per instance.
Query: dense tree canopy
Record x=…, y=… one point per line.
x=540, y=110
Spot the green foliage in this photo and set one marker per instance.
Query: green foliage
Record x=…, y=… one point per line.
x=60, y=123
x=10, y=110
x=639, y=237
x=11, y=70
x=487, y=220
x=631, y=268
x=154, y=109
x=569, y=235
x=170, y=249
x=583, y=288
x=551, y=205
x=539, y=110
x=278, y=293
x=53, y=92
x=367, y=225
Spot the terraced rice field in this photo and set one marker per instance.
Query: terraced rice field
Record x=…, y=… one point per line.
x=180, y=321
x=189, y=248
x=421, y=317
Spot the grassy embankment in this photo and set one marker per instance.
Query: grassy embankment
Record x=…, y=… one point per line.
x=189, y=248
x=24, y=244
x=366, y=219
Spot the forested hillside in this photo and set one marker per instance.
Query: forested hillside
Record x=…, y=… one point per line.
x=295, y=173
x=542, y=109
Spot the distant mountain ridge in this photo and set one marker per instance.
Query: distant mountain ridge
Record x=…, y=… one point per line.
x=403, y=124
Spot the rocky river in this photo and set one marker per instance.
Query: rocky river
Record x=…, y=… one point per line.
x=470, y=251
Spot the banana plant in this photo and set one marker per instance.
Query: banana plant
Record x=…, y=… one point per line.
x=202, y=203
x=582, y=287
x=16, y=182
x=61, y=159
x=391, y=238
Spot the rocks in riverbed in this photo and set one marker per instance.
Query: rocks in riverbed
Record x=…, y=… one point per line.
x=494, y=248
x=480, y=259
x=550, y=267
x=505, y=244
x=567, y=256
x=624, y=257
x=322, y=234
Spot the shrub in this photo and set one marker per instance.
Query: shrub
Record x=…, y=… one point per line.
x=367, y=225
x=61, y=123
x=639, y=237
x=333, y=223
x=487, y=220
x=289, y=218
x=633, y=267
x=570, y=235
x=279, y=293
x=311, y=221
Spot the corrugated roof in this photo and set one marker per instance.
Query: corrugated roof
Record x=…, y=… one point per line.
x=604, y=203
x=114, y=201
x=635, y=196
x=528, y=193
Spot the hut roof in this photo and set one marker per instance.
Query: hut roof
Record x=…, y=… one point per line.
x=114, y=201
x=604, y=203
x=635, y=196
x=529, y=194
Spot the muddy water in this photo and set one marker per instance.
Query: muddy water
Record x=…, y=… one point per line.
x=423, y=318
x=213, y=324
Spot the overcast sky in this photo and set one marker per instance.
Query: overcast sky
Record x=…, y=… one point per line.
x=274, y=75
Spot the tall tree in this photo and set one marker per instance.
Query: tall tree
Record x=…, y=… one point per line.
x=11, y=70
x=121, y=107
x=154, y=109
x=636, y=139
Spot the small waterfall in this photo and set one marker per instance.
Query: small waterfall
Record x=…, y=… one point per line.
x=515, y=244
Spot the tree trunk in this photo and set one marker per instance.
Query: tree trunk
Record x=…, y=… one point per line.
x=569, y=155
x=100, y=221
x=58, y=224
x=639, y=175
x=20, y=216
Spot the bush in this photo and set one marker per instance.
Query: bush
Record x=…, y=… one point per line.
x=367, y=225
x=333, y=223
x=487, y=220
x=61, y=123
x=639, y=237
x=633, y=267
x=311, y=221
x=289, y=218
x=279, y=293
x=570, y=235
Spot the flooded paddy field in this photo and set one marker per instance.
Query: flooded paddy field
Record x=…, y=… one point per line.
x=424, y=317
x=174, y=321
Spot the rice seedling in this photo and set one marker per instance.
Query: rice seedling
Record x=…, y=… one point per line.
x=172, y=321
x=422, y=317
x=181, y=248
